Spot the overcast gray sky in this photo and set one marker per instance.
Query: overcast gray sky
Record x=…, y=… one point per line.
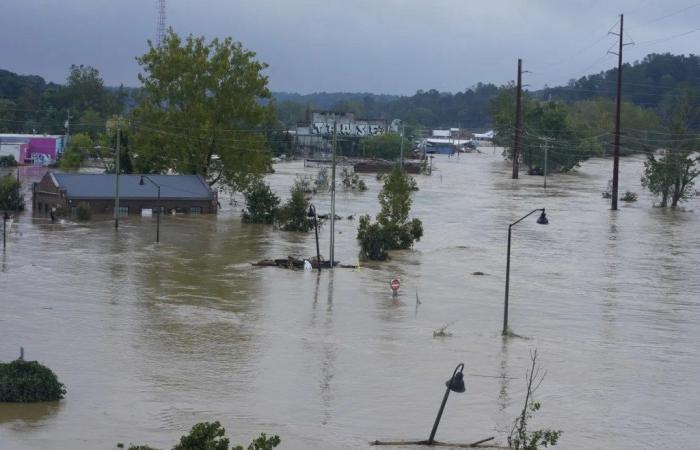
x=380, y=46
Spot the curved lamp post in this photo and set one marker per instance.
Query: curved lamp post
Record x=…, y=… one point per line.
x=159, y=207
x=542, y=220
x=456, y=384
x=312, y=213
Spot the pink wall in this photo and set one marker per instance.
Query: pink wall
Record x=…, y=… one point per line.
x=23, y=153
x=45, y=146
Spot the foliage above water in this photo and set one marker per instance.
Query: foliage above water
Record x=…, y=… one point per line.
x=392, y=230
x=262, y=205
x=28, y=381
x=352, y=181
x=8, y=161
x=11, y=197
x=293, y=215
x=212, y=436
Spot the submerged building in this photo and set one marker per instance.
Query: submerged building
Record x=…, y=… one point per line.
x=138, y=194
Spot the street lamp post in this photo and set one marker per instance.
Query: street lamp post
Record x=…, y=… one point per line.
x=157, y=209
x=312, y=213
x=542, y=220
x=5, y=218
x=456, y=384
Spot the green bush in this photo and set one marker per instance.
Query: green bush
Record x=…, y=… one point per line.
x=83, y=211
x=28, y=381
x=629, y=197
x=11, y=198
x=212, y=436
x=262, y=204
x=8, y=161
x=293, y=215
x=392, y=230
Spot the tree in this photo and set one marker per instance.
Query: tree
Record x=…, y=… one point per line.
x=212, y=436
x=202, y=104
x=11, y=197
x=673, y=174
x=262, y=205
x=79, y=146
x=293, y=215
x=392, y=230
x=385, y=146
x=29, y=381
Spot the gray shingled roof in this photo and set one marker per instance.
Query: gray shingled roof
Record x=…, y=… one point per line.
x=94, y=186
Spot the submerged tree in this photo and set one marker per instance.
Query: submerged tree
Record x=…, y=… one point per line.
x=392, y=230
x=203, y=110
x=672, y=175
x=293, y=214
x=262, y=205
x=79, y=147
x=11, y=197
x=212, y=436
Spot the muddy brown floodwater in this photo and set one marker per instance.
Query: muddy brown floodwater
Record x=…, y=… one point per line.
x=152, y=339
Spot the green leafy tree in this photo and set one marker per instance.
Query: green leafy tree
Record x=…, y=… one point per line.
x=392, y=230
x=79, y=146
x=212, y=436
x=672, y=175
x=262, y=205
x=28, y=381
x=385, y=146
x=293, y=214
x=8, y=161
x=11, y=197
x=202, y=102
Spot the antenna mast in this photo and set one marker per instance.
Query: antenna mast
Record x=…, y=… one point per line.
x=161, y=21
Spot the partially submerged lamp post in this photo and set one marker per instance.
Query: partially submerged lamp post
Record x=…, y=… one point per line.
x=312, y=213
x=5, y=218
x=542, y=220
x=159, y=207
x=456, y=384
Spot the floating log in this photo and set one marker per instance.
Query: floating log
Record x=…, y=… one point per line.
x=476, y=444
x=296, y=263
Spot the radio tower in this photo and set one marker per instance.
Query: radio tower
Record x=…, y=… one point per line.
x=161, y=21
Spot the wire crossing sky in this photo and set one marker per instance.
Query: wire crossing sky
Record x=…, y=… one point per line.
x=379, y=46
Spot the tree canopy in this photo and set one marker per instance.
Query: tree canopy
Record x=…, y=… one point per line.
x=201, y=110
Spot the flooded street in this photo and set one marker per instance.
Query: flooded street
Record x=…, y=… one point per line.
x=151, y=339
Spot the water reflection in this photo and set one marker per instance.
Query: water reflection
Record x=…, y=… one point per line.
x=26, y=416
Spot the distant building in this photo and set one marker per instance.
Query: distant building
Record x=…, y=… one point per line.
x=186, y=194
x=315, y=132
x=34, y=149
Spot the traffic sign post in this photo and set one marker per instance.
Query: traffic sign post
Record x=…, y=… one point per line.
x=395, y=285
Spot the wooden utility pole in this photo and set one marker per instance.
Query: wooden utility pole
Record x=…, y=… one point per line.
x=616, y=156
x=518, y=108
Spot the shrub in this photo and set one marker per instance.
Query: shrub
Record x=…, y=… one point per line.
x=392, y=230
x=8, y=161
x=261, y=204
x=28, y=381
x=83, y=211
x=11, y=198
x=321, y=181
x=351, y=180
x=629, y=197
x=212, y=436
x=293, y=215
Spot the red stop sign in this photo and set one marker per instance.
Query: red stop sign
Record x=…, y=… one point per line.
x=395, y=284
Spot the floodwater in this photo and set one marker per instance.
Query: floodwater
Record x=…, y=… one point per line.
x=151, y=339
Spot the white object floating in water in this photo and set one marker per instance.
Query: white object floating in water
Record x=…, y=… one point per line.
x=307, y=265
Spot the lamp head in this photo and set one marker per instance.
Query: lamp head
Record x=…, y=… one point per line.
x=456, y=384
x=542, y=220
x=311, y=212
x=141, y=181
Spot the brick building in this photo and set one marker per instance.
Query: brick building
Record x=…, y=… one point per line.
x=187, y=194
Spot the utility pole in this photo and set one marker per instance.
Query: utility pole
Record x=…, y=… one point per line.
x=616, y=155
x=117, y=171
x=335, y=140
x=402, y=132
x=545, y=146
x=67, y=125
x=518, y=108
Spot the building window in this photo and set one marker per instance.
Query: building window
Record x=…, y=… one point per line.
x=196, y=210
x=123, y=211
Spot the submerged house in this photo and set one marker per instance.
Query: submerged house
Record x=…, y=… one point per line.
x=33, y=149
x=184, y=194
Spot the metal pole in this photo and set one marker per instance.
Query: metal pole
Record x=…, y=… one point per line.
x=546, y=147
x=505, y=304
x=332, y=252
x=5, y=217
x=402, y=132
x=116, y=192
x=518, y=107
x=616, y=157
x=431, y=439
x=318, y=252
x=158, y=217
